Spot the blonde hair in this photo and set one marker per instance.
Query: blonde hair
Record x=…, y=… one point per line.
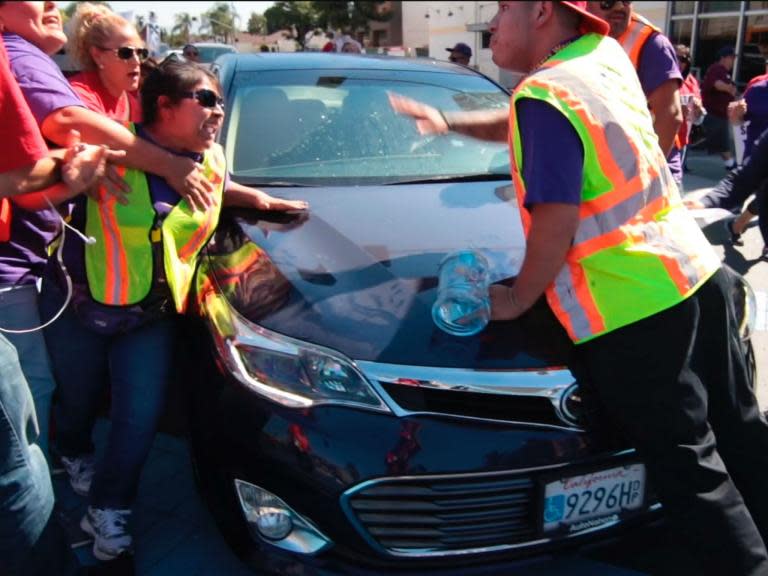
x=93, y=25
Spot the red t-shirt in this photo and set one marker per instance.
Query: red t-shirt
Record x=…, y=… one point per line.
x=96, y=97
x=689, y=88
x=22, y=142
x=715, y=101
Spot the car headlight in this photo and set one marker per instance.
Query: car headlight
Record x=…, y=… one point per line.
x=288, y=371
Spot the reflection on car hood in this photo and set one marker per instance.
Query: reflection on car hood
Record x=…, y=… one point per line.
x=358, y=272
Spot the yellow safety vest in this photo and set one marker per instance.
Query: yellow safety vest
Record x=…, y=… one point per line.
x=120, y=266
x=637, y=250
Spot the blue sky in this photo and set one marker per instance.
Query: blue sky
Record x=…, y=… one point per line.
x=166, y=10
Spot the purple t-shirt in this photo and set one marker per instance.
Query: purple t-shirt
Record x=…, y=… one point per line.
x=553, y=155
x=23, y=257
x=658, y=63
x=757, y=113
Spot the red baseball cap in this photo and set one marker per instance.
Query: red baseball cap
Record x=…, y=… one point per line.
x=589, y=22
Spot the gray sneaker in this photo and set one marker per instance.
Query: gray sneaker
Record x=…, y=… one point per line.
x=80, y=471
x=108, y=528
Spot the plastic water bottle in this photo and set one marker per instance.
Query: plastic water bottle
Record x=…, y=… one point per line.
x=463, y=307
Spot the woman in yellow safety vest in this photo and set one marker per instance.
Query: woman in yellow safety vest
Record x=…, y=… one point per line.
x=129, y=279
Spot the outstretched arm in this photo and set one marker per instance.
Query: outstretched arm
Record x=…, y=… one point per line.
x=248, y=197
x=183, y=174
x=490, y=125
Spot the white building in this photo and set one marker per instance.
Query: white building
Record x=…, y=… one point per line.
x=450, y=22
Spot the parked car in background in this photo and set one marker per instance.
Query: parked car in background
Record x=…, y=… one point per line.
x=335, y=429
x=209, y=51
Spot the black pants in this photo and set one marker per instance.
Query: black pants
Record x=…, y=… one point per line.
x=677, y=385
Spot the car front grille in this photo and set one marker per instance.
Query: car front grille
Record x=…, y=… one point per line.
x=444, y=515
x=508, y=408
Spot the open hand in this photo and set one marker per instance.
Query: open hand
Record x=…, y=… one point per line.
x=187, y=178
x=429, y=120
x=86, y=165
x=283, y=205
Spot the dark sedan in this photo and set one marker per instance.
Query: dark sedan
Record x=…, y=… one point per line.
x=336, y=430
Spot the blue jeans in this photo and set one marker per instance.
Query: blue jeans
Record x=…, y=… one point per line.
x=19, y=311
x=31, y=542
x=137, y=365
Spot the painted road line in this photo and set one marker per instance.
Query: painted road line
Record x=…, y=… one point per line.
x=761, y=325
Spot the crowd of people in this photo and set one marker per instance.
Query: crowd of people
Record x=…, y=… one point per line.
x=148, y=159
x=112, y=182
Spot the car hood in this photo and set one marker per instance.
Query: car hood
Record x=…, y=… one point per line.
x=358, y=272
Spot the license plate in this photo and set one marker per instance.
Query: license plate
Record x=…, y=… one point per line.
x=581, y=502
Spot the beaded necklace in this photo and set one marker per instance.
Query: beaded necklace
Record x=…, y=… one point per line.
x=552, y=52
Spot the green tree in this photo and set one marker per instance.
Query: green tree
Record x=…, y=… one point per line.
x=220, y=21
x=352, y=16
x=182, y=27
x=298, y=17
x=257, y=24
x=69, y=10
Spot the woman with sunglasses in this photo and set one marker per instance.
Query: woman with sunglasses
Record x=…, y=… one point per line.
x=129, y=285
x=110, y=52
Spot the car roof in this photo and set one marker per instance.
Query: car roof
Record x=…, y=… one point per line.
x=319, y=60
x=212, y=45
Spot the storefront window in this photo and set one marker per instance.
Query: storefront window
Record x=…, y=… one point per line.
x=713, y=35
x=753, y=56
x=682, y=7
x=719, y=6
x=680, y=32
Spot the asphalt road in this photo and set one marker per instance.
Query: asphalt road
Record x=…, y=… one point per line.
x=706, y=172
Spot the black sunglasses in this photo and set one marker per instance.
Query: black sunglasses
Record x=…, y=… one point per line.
x=608, y=4
x=206, y=98
x=127, y=52
x=191, y=53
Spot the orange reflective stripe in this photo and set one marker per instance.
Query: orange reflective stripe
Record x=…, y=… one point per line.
x=517, y=179
x=199, y=238
x=615, y=237
x=116, y=275
x=203, y=290
x=635, y=37
x=227, y=276
x=5, y=219
x=236, y=271
x=583, y=317
x=675, y=272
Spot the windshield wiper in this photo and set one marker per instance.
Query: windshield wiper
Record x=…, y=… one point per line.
x=455, y=178
x=273, y=183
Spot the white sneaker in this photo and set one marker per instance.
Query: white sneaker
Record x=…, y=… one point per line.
x=107, y=526
x=80, y=471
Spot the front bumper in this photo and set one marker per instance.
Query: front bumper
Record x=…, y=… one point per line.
x=326, y=462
